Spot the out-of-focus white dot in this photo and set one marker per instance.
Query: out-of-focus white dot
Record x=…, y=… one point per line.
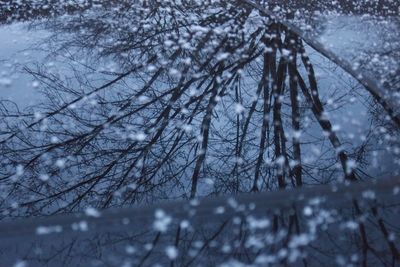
x=172, y=252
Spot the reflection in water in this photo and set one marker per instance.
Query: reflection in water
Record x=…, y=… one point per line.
x=160, y=101
x=157, y=100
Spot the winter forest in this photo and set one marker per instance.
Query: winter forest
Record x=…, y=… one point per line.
x=199, y=133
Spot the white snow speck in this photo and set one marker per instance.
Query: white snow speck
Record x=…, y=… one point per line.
x=184, y=224
x=239, y=108
x=307, y=211
x=219, y=210
x=258, y=223
x=45, y=230
x=20, y=263
x=130, y=249
x=162, y=221
x=80, y=226
x=92, y=212
x=139, y=137
x=368, y=194
x=44, y=177
x=172, y=252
